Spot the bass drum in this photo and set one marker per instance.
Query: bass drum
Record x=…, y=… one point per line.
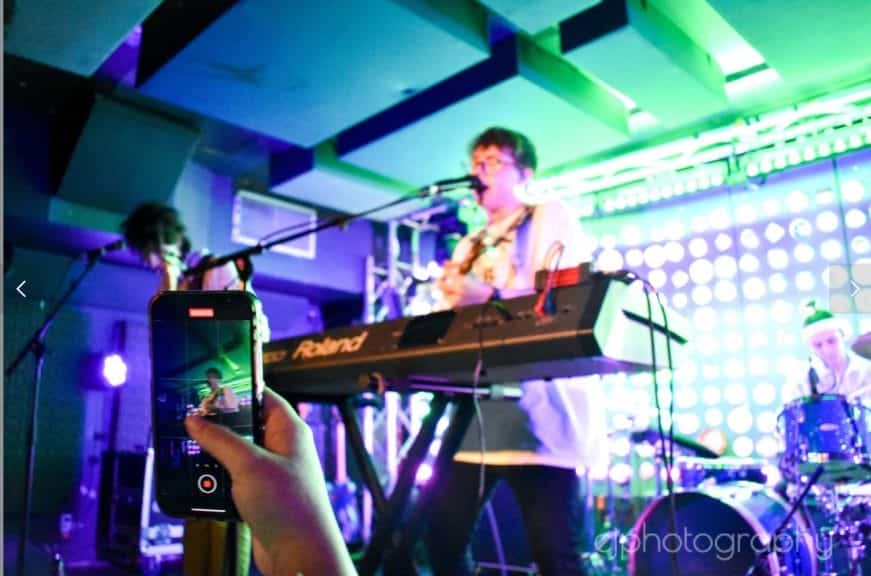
x=719, y=531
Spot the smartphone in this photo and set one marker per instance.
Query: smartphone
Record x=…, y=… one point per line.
x=205, y=359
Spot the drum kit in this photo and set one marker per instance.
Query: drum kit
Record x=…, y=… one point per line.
x=730, y=520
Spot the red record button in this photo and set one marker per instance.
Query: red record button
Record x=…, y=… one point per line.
x=207, y=483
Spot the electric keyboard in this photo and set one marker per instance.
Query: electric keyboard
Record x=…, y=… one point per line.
x=596, y=327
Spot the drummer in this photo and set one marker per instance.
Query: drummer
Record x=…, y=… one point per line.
x=834, y=368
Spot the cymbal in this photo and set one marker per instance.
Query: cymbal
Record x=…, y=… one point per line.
x=862, y=345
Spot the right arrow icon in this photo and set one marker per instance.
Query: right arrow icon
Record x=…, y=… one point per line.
x=855, y=290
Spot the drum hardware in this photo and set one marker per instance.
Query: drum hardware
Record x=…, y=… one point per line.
x=842, y=529
x=771, y=547
x=826, y=430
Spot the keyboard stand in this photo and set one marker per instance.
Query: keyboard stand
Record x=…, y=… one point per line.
x=392, y=542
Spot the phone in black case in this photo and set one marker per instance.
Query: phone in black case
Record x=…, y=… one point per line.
x=205, y=359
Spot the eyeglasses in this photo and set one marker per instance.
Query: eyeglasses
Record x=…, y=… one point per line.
x=491, y=164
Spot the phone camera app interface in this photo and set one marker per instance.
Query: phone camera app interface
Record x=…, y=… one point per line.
x=203, y=366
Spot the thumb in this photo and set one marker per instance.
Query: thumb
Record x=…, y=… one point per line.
x=233, y=452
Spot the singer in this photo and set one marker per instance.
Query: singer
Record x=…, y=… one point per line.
x=156, y=232
x=834, y=368
x=536, y=444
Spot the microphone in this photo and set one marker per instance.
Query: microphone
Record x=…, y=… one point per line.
x=95, y=253
x=813, y=379
x=436, y=188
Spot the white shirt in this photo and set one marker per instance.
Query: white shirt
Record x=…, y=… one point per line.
x=566, y=415
x=855, y=383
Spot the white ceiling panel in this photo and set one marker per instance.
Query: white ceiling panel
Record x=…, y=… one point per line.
x=303, y=71
x=636, y=49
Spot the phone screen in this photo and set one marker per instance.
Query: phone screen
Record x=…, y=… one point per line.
x=203, y=364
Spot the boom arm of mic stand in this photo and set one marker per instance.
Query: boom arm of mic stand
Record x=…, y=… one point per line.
x=335, y=222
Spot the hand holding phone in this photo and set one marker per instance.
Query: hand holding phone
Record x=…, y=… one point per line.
x=279, y=490
x=205, y=359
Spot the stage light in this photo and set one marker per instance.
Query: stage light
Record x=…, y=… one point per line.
x=839, y=146
x=720, y=219
x=753, y=288
x=778, y=259
x=634, y=258
x=688, y=423
x=765, y=166
x=609, y=260
x=774, y=232
x=825, y=197
x=742, y=447
x=766, y=421
x=832, y=250
x=686, y=399
x=679, y=279
x=646, y=470
x=803, y=253
x=654, y=256
x=711, y=395
x=711, y=372
x=793, y=158
x=698, y=247
x=764, y=394
x=808, y=154
x=424, y=473
x=679, y=301
x=797, y=201
x=701, y=271
x=114, y=370
x=860, y=245
x=102, y=371
x=735, y=393
x=620, y=473
x=723, y=242
x=674, y=251
x=824, y=149
x=777, y=283
x=782, y=312
x=855, y=141
x=699, y=224
x=725, y=267
x=749, y=239
x=758, y=367
x=631, y=235
x=702, y=295
x=740, y=420
x=780, y=161
x=745, y=214
x=713, y=417
x=657, y=278
x=771, y=207
x=827, y=221
x=725, y=291
x=855, y=219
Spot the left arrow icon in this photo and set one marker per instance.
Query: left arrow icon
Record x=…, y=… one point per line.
x=20, y=291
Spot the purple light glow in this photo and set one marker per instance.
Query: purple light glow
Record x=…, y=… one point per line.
x=424, y=473
x=114, y=370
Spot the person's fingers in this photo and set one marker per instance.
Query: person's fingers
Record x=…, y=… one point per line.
x=231, y=450
x=282, y=424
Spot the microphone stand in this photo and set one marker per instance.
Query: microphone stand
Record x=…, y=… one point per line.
x=36, y=346
x=772, y=542
x=242, y=258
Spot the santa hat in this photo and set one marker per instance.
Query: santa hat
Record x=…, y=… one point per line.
x=818, y=320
